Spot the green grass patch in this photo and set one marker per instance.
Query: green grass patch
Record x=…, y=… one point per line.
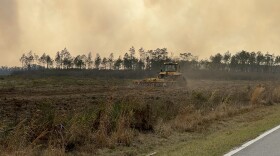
x=233, y=135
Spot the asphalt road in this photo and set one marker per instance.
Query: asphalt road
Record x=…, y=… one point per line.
x=266, y=146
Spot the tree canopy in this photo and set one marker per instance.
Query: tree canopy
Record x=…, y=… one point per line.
x=242, y=61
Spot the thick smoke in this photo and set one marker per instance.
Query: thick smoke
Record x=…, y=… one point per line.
x=203, y=27
x=9, y=30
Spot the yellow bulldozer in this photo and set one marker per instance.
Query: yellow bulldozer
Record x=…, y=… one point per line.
x=169, y=76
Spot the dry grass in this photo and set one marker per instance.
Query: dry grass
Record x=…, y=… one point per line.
x=257, y=95
x=276, y=95
x=123, y=134
x=163, y=129
x=113, y=117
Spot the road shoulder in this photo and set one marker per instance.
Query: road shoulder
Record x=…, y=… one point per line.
x=236, y=130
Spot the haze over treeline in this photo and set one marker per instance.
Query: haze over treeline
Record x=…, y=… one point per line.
x=202, y=27
x=153, y=60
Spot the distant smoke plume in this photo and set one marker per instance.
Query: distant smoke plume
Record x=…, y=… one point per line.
x=9, y=30
x=202, y=27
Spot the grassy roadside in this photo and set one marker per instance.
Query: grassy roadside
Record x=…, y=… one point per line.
x=237, y=130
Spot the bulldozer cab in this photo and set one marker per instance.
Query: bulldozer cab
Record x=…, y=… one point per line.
x=170, y=67
x=169, y=70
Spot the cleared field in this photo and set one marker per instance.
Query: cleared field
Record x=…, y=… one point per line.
x=67, y=115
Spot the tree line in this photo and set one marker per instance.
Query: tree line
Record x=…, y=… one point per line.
x=242, y=61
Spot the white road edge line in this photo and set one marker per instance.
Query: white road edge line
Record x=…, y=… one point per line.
x=252, y=141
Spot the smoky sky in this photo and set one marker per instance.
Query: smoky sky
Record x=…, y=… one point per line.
x=202, y=27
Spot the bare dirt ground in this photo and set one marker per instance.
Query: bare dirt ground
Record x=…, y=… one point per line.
x=113, y=117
